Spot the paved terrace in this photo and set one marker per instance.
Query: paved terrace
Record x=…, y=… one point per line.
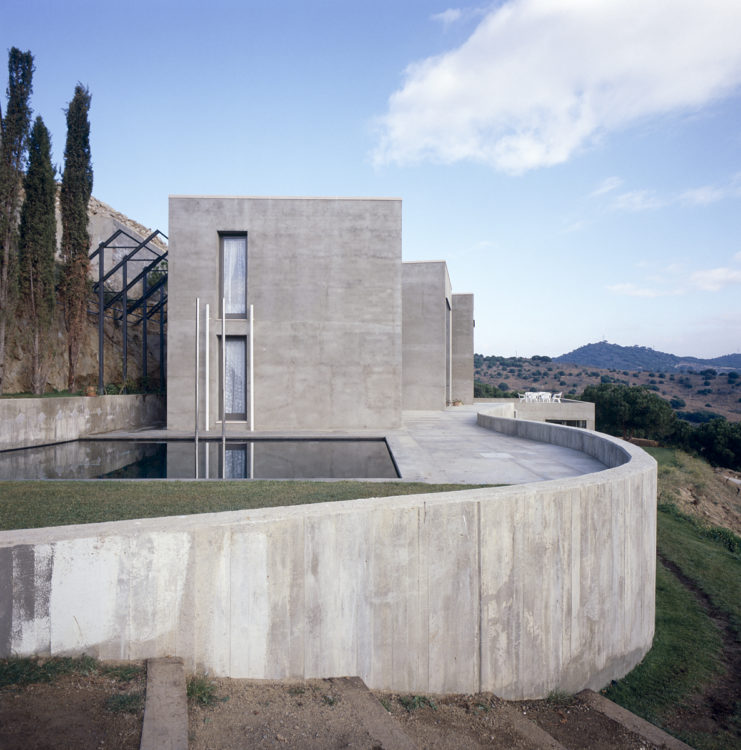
x=443, y=447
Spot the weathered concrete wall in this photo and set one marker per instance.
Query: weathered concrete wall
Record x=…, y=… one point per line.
x=518, y=590
x=540, y=411
x=425, y=335
x=40, y=421
x=324, y=276
x=462, y=348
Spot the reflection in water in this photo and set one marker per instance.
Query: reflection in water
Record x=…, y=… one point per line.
x=258, y=459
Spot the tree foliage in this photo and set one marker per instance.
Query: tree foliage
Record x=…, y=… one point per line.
x=77, y=186
x=37, y=246
x=13, y=138
x=633, y=411
x=630, y=411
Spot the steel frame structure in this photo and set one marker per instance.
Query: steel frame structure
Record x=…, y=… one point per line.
x=150, y=302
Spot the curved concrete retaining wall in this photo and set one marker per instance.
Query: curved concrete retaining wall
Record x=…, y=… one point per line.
x=518, y=590
x=40, y=421
x=540, y=411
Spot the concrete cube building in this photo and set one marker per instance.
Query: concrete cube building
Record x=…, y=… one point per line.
x=345, y=336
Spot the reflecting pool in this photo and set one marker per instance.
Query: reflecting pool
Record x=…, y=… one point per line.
x=208, y=459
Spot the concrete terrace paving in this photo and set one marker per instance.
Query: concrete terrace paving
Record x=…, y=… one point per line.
x=449, y=447
x=443, y=447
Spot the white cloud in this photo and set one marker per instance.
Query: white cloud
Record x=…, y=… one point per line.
x=606, y=186
x=703, y=196
x=713, y=279
x=638, y=200
x=538, y=80
x=648, y=200
x=631, y=290
x=737, y=257
x=451, y=15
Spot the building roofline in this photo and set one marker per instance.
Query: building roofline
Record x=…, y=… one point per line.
x=290, y=197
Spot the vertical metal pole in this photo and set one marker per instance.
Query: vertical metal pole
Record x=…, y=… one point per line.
x=252, y=459
x=198, y=364
x=144, y=327
x=101, y=320
x=207, y=378
x=223, y=387
x=198, y=361
x=163, y=363
x=252, y=368
x=125, y=323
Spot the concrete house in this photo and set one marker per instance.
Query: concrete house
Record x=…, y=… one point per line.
x=344, y=335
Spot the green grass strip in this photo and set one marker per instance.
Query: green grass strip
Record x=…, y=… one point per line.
x=28, y=505
x=684, y=656
x=26, y=671
x=704, y=555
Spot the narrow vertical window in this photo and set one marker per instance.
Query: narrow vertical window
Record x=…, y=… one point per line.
x=234, y=274
x=235, y=381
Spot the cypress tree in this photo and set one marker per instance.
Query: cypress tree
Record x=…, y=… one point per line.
x=77, y=185
x=36, y=249
x=13, y=137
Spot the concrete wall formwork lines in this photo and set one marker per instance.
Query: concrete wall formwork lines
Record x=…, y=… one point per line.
x=324, y=277
x=425, y=335
x=462, y=348
x=518, y=590
x=25, y=422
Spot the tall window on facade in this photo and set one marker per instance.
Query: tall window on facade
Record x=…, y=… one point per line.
x=235, y=381
x=234, y=274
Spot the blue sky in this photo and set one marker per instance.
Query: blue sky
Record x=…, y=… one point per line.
x=576, y=162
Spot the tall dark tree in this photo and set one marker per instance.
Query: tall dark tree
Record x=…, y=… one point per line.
x=13, y=138
x=36, y=248
x=77, y=185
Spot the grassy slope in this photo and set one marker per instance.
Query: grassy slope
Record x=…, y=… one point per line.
x=686, y=657
x=26, y=505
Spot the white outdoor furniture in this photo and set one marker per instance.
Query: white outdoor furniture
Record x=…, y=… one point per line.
x=557, y=397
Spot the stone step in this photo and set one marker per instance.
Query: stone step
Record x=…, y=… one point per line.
x=165, y=724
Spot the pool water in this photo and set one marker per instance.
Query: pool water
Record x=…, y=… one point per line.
x=208, y=459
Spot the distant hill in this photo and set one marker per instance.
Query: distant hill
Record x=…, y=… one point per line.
x=613, y=356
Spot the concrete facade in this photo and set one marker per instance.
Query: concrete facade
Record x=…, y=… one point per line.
x=345, y=335
x=324, y=277
x=462, y=348
x=517, y=590
x=26, y=422
x=426, y=335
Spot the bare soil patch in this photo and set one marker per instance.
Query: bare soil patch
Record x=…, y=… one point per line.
x=315, y=715
x=72, y=712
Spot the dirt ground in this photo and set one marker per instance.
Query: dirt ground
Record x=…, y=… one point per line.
x=311, y=715
x=71, y=713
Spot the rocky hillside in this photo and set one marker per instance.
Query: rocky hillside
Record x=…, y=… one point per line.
x=103, y=222
x=689, y=392
x=606, y=356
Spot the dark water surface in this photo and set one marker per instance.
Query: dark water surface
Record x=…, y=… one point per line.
x=176, y=459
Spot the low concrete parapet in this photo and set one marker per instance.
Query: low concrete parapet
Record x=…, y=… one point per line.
x=516, y=590
x=25, y=422
x=610, y=451
x=566, y=411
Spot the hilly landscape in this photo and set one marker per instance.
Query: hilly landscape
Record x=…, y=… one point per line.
x=695, y=394
x=605, y=356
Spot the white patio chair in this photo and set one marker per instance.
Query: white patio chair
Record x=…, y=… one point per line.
x=557, y=397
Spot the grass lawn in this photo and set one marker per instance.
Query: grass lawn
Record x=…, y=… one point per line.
x=686, y=657
x=26, y=505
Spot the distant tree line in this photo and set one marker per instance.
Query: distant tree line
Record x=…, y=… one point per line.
x=30, y=286
x=634, y=411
